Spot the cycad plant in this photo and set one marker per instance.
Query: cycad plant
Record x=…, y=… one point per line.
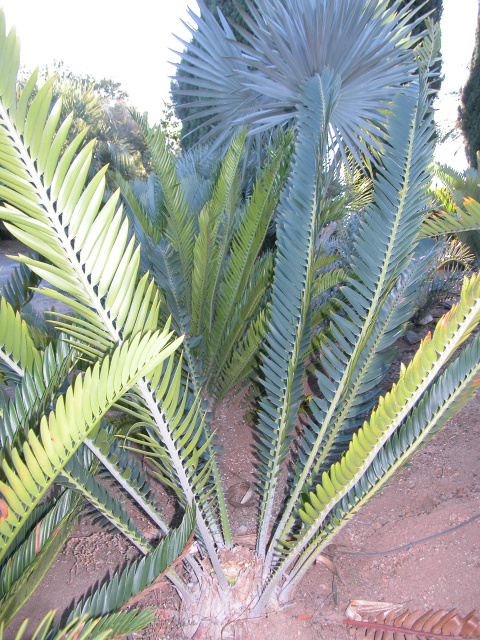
x=204, y=245
x=458, y=194
x=355, y=93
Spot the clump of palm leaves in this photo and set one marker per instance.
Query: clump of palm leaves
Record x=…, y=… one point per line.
x=204, y=244
x=447, y=262
x=457, y=195
x=119, y=337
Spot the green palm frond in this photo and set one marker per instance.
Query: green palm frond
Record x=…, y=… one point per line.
x=466, y=218
x=187, y=442
x=68, y=225
x=249, y=313
x=427, y=52
x=115, y=625
x=325, y=281
x=33, y=468
x=460, y=197
x=116, y=593
x=94, y=269
x=71, y=632
x=244, y=359
x=216, y=222
x=245, y=247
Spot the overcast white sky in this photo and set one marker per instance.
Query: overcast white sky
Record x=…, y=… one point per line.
x=129, y=41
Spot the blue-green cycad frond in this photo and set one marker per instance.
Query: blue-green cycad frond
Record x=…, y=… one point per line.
x=35, y=394
x=196, y=170
x=362, y=42
x=126, y=584
x=288, y=335
x=370, y=371
x=17, y=290
x=371, y=312
x=143, y=206
x=446, y=396
x=358, y=359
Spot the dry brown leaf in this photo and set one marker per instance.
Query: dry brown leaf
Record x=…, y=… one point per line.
x=240, y=494
x=365, y=609
x=306, y=616
x=328, y=563
x=389, y=625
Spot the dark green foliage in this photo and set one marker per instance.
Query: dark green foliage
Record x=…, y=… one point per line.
x=469, y=111
x=432, y=7
x=190, y=135
x=231, y=10
x=4, y=234
x=434, y=10
x=101, y=108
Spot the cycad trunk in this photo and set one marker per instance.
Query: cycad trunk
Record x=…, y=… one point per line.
x=211, y=611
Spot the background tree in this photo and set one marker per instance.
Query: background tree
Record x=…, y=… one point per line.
x=171, y=126
x=101, y=108
x=434, y=10
x=469, y=111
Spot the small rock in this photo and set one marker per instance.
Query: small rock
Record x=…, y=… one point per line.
x=242, y=530
x=412, y=338
x=425, y=320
